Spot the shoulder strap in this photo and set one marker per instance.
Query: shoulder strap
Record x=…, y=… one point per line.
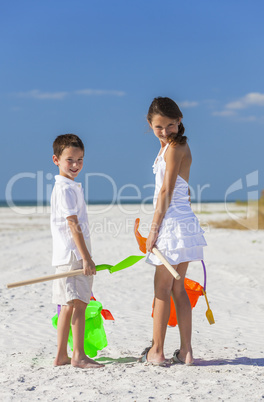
x=165, y=149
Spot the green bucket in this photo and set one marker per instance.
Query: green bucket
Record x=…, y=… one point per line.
x=94, y=334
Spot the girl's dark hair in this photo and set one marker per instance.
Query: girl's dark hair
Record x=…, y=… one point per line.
x=168, y=108
x=65, y=141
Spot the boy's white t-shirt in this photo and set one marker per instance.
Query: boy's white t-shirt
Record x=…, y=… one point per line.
x=67, y=199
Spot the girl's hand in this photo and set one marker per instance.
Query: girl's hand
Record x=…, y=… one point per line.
x=151, y=240
x=89, y=267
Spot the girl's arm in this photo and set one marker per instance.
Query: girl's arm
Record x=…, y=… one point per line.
x=174, y=156
x=88, y=264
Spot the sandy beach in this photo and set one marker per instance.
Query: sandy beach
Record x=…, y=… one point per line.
x=229, y=355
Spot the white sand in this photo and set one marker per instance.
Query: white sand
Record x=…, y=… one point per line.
x=229, y=355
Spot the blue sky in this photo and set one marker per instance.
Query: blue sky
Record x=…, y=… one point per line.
x=93, y=68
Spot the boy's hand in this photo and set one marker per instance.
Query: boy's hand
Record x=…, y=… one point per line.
x=89, y=267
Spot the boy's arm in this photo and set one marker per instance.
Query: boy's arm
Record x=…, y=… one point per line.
x=88, y=264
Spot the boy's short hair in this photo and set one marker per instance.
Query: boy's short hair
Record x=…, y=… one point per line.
x=65, y=141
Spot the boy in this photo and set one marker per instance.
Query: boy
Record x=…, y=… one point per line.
x=71, y=250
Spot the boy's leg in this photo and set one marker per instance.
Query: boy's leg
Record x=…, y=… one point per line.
x=79, y=358
x=63, y=329
x=163, y=285
x=184, y=315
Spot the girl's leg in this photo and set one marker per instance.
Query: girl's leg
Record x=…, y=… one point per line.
x=79, y=358
x=184, y=315
x=63, y=329
x=163, y=286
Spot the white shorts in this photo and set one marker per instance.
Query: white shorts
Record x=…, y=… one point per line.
x=76, y=287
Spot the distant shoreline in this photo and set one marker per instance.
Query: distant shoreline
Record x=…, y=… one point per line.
x=34, y=203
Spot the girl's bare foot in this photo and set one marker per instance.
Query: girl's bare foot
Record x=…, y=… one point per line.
x=85, y=363
x=154, y=357
x=183, y=358
x=188, y=359
x=61, y=361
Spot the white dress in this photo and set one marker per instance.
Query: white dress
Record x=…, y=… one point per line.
x=180, y=236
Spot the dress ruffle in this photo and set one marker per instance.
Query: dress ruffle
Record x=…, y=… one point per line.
x=179, y=241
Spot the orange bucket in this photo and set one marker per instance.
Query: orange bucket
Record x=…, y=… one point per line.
x=194, y=291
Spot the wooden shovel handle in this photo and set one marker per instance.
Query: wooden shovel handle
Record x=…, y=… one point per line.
x=45, y=278
x=166, y=263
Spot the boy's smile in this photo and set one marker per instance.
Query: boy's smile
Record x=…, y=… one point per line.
x=70, y=162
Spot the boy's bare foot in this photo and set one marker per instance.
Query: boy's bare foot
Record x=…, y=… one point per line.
x=85, y=363
x=61, y=362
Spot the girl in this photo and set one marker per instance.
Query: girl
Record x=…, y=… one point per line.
x=175, y=230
